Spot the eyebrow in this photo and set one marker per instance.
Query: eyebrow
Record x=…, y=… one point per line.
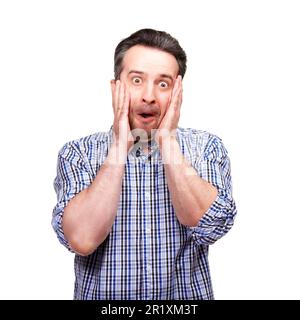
x=162, y=75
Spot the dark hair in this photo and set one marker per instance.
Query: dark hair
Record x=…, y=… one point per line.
x=150, y=38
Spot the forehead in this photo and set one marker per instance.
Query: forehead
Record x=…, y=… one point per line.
x=151, y=61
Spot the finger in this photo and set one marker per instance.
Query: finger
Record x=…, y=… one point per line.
x=180, y=93
x=179, y=100
x=176, y=92
x=171, y=98
x=117, y=94
x=113, y=90
x=175, y=88
x=179, y=84
x=180, y=81
x=121, y=98
x=123, y=115
x=126, y=101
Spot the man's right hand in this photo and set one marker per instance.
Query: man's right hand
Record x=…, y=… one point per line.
x=121, y=127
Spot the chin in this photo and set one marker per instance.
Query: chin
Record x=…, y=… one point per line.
x=143, y=132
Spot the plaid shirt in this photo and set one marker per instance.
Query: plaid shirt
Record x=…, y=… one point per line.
x=148, y=254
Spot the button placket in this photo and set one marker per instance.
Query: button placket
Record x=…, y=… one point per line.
x=147, y=229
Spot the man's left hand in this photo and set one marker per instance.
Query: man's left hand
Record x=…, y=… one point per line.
x=169, y=122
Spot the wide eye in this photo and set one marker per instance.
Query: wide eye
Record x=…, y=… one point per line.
x=163, y=84
x=136, y=80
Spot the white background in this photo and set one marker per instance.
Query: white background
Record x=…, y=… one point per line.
x=242, y=83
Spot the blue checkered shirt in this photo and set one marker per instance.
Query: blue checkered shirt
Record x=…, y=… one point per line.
x=148, y=254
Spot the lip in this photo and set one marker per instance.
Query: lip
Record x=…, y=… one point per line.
x=146, y=120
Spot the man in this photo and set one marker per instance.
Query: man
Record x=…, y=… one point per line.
x=140, y=204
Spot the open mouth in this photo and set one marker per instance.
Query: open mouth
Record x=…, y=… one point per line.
x=146, y=115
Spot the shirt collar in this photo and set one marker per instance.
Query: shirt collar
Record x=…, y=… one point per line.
x=134, y=150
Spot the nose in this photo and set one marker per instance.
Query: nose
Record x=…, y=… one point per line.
x=149, y=94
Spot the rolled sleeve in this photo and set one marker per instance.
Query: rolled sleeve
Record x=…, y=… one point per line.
x=72, y=177
x=213, y=165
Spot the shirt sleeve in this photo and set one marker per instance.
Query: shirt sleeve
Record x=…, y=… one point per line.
x=72, y=177
x=213, y=165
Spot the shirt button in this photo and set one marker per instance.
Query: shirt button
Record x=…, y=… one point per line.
x=148, y=230
x=147, y=195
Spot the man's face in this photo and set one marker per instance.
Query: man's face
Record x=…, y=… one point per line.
x=149, y=75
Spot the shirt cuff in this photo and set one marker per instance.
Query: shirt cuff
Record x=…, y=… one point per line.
x=216, y=221
x=57, y=225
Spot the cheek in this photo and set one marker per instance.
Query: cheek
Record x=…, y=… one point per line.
x=132, y=90
x=164, y=101
x=134, y=95
x=134, y=103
